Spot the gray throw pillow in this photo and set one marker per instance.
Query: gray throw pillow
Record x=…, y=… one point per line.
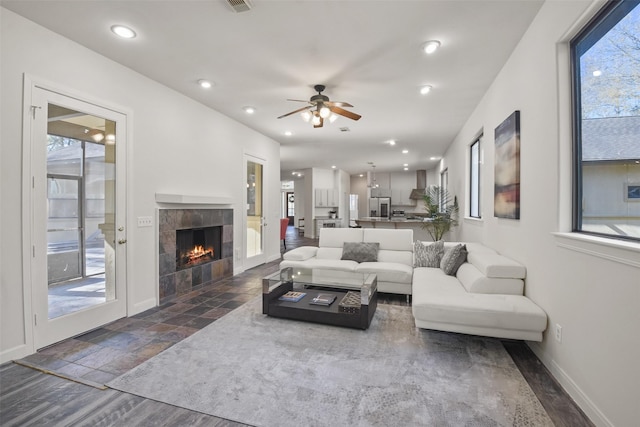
x=453, y=258
x=427, y=255
x=360, y=251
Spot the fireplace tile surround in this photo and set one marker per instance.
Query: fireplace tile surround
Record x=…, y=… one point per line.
x=174, y=283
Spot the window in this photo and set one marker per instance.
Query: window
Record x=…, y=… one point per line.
x=474, y=179
x=444, y=187
x=605, y=60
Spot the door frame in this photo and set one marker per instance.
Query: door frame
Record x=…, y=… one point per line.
x=30, y=82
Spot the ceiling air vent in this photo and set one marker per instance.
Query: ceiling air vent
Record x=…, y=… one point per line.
x=240, y=5
x=345, y=129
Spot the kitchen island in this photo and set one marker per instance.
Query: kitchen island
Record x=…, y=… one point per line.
x=398, y=223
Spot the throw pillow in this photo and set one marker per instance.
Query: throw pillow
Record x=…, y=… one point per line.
x=360, y=251
x=453, y=258
x=427, y=255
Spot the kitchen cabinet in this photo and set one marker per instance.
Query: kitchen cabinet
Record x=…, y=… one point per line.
x=401, y=197
x=327, y=223
x=381, y=192
x=326, y=197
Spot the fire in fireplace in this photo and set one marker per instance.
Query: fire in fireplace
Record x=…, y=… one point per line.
x=196, y=246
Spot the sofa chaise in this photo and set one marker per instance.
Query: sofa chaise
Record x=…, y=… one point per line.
x=484, y=297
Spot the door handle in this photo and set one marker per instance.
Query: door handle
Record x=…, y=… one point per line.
x=122, y=241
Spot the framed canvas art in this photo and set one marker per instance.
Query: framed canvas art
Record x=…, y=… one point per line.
x=506, y=198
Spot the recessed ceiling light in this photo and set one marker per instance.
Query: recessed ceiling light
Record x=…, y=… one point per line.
x=405, y=151
x=294, y=173
x=392, y=142
x=434, y=158
x=249, y=109
x=205, y=83
x=288, y=133
x=431, y=46
x=405, y=165
x=361, y=175
x=122, y=31
x=406, y=169
x=425, y=89
x=333, y=167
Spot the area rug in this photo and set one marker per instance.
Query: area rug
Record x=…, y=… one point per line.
x=265, y=371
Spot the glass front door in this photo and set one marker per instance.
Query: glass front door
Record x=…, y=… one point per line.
x=78, y=270
x=255, y=220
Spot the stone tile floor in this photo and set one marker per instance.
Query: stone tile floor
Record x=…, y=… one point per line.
x=110, y=351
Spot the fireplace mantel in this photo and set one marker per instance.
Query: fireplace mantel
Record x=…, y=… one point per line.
x=190, y=199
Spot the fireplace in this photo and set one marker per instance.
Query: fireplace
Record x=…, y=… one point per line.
x=197, y=246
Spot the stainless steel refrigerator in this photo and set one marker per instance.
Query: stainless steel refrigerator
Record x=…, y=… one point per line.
x=380, y=207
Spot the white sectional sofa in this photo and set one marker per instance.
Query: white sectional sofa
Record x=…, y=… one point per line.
x=485, y=297
x=394, y=265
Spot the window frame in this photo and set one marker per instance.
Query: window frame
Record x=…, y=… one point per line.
x=607, y=18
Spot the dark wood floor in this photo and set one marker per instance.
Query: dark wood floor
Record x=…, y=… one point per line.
x=72, y=394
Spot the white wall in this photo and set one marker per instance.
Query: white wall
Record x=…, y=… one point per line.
x=590, y=288
x=176, y=145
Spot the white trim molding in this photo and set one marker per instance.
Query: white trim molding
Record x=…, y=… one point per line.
x=611, y=249
x=186, y=199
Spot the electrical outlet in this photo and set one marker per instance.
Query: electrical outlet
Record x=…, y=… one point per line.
x=145, y=221
x=558, y=333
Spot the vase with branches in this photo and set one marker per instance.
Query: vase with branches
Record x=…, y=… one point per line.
x=442, y=212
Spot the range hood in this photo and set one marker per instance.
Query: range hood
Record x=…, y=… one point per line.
x=421, y=183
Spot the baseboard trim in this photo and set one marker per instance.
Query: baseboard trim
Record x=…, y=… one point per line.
x=570, y=386
x=274, y=257
x=17, y=352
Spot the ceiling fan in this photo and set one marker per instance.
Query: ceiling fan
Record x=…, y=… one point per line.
x=321, y=108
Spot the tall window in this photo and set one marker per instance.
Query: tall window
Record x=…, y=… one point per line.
x=474, y=179
x=444, y=186
x=606, y=78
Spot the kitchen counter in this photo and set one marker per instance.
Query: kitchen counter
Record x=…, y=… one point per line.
x=376, y=220
x=415, y=224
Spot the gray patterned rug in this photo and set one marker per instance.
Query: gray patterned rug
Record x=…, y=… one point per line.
x=265, y=371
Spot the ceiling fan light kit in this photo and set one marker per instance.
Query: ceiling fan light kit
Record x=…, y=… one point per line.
x=320, y=108
x=431, y=46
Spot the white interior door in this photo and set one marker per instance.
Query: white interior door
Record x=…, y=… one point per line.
x=254, y=219
x=77, y=204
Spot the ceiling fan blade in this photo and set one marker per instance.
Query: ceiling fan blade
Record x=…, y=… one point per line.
x=320, y=124
x=297, y=100
x=296, y=111
x=345, y=113
x=337, y=104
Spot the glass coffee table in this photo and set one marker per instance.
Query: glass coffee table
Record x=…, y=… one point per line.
x=331, y=297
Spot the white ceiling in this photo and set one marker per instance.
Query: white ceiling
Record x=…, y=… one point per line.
x=366, y=52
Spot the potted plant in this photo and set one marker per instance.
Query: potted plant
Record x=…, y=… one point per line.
x=442, y=212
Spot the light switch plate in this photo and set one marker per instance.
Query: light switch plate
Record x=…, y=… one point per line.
x=145, y=221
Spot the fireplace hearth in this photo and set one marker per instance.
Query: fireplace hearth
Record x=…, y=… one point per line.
x=195, y=247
